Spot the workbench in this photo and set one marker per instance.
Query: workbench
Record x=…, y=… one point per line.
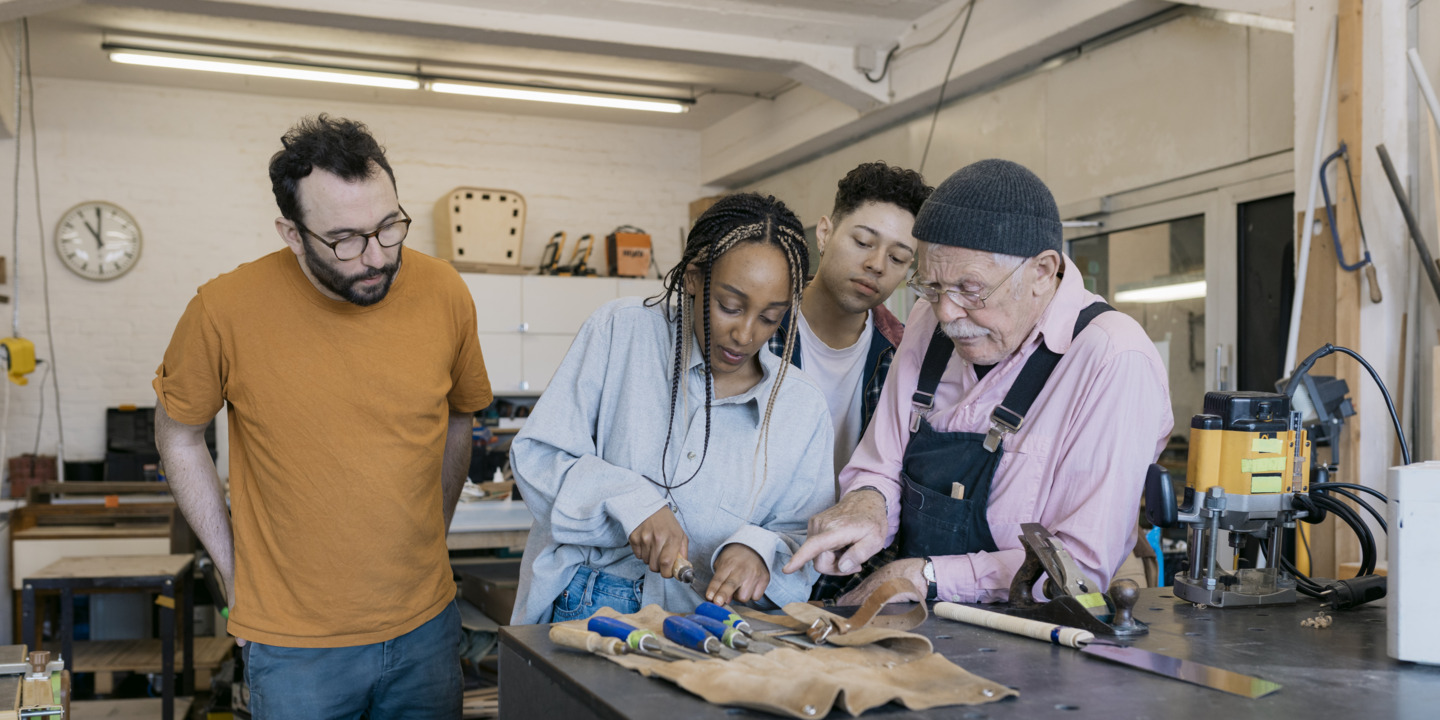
x=1337, y=672
x=164, y=575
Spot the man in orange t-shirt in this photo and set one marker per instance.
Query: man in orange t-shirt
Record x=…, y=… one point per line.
x=350, y=370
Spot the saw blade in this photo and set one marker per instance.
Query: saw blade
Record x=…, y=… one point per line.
x=1184, y=670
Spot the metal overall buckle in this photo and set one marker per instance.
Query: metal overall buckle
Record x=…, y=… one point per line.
x=923, y=403
x=1003, y=421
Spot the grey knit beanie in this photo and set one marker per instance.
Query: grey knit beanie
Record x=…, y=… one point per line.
x=993, y=206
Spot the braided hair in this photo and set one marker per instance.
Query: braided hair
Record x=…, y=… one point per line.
x=734, y=219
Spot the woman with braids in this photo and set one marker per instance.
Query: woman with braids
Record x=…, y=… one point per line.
x=670, y=431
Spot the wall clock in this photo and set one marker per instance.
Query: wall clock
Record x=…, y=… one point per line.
x=98, y=240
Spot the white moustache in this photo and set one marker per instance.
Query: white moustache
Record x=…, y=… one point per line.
x=962, y=329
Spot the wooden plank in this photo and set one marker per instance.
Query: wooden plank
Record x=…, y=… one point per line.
x=1349, y=70
x=10, y=697
x=90, y=532
x=514, y=539
x=31, y=556
x=103, y=656
x=1317, y=327
x=127, y=709
x=114, y=567
x=1317, y=322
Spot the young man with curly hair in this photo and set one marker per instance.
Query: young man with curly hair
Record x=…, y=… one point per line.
x=845, y=338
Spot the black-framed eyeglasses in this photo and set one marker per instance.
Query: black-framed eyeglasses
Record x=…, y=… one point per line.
x=966, y=300
x=353, y=246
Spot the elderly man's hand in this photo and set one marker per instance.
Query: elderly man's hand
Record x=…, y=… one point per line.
x=855, y=527
x=912, y=569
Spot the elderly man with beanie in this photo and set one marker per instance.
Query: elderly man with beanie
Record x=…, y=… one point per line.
x=1016, y=397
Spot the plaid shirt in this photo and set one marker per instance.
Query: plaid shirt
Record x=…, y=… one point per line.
x=877, y=362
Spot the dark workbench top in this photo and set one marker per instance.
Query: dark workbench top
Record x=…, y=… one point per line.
x=1338, y=672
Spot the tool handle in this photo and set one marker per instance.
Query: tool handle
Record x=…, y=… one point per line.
x=1375, y=294
x=610, y=627
x=711, y=610
x=687, y=634
x=1057, y=634
x=581, y=639
x=683, y=571
x=729, y=636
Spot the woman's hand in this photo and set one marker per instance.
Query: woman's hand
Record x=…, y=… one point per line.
x=740, y=574
x=659, y=540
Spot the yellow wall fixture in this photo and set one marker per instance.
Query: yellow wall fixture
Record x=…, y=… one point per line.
x=18, y=356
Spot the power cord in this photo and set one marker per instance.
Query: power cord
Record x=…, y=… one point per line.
x=940, y=102
x=44, y=257
x=1322, y=500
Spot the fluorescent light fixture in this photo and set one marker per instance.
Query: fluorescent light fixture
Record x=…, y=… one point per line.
x=568, y=97
x=1245, y=19
x=260, y=68
x=1184, y=287
x=347, y=76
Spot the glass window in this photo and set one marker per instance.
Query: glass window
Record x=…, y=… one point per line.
x=1156, y=275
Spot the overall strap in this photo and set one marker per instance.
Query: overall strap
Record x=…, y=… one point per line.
x=937, y=356
x=1009, y=416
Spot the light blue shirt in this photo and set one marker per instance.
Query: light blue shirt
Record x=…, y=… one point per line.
x=583, y=456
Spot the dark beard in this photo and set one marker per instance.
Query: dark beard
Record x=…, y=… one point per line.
x=345, y=285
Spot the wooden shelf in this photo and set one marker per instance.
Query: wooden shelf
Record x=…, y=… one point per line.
x=104, y=657
x=144, y=655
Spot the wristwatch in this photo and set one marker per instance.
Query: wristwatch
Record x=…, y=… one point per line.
x=932, y=591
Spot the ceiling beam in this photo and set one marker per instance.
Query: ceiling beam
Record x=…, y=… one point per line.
x=1004, y=39
x=16, y=9
x=825, y=66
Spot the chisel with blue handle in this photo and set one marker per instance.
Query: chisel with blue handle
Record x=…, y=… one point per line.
x=728, y=636
x=711, y=610
x=691, y=636
x=640, y=639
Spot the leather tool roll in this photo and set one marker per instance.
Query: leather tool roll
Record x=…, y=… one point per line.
x=846, y=673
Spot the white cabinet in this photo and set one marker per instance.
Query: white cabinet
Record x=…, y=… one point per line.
x=527, y=322
x=561, y=304
x=502, y=352
x=496, y=302
x=646, y=288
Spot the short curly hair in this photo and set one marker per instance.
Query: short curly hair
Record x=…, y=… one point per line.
x=336, y=145
x=883, y=183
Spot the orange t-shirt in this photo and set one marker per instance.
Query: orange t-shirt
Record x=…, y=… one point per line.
x=338, y=415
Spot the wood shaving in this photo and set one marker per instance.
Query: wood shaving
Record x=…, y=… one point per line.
x=1320, y=621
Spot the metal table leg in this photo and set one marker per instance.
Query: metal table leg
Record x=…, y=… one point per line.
x=27, y=617
x=167, y=650
x=67, y=627
x=187, y=628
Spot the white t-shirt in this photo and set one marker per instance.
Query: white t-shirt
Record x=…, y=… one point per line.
x=838, y=373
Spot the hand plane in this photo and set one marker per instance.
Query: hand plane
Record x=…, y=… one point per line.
x=1074, y=599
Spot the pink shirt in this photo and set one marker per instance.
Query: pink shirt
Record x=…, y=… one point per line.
x=1078, y=464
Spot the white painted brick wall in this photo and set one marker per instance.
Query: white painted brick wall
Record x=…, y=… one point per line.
x=191, y=166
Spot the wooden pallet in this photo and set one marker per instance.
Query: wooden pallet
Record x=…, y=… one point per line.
x=482, y=703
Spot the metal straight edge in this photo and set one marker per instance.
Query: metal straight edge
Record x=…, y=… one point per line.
x=1184, y=670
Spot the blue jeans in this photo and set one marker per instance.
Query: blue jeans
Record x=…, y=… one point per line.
x=591, y=589
x=416, y=675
